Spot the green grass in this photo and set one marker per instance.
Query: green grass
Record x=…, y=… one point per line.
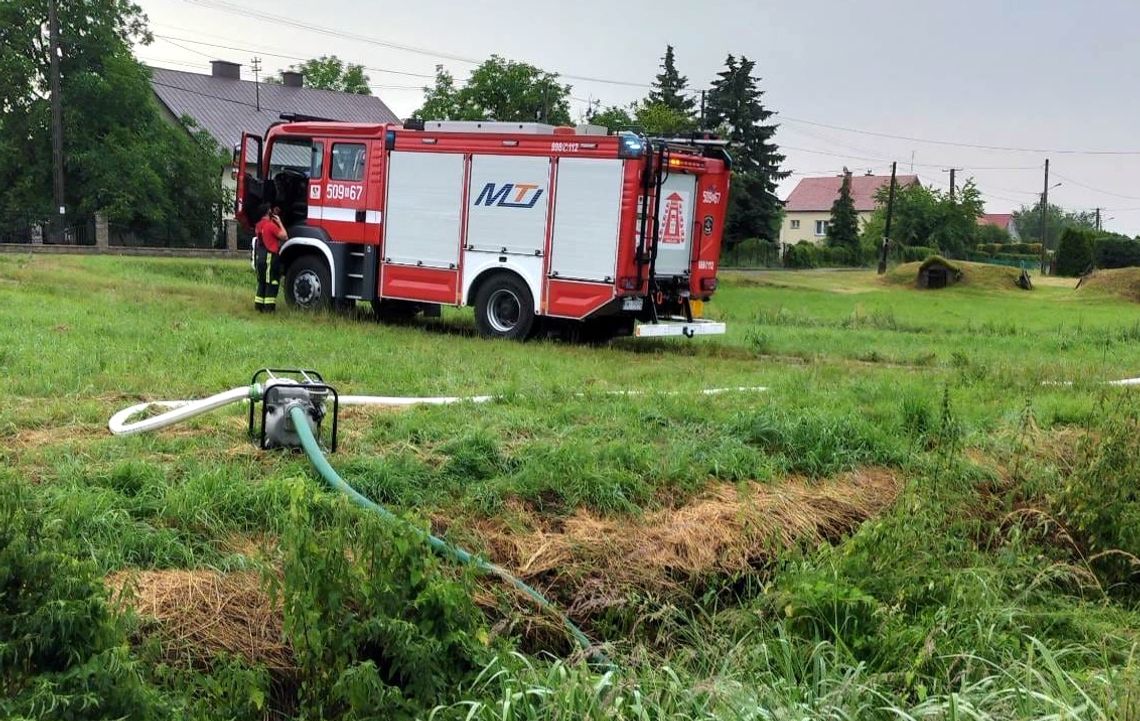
x=951, y=605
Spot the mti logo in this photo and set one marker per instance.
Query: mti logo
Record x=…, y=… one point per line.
x=524, y=195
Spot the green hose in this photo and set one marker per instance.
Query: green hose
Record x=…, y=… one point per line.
x=441, y=547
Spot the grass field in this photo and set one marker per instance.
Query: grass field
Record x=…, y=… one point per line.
x=931, y=513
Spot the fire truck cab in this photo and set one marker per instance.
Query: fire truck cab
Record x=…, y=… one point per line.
x=533, y=225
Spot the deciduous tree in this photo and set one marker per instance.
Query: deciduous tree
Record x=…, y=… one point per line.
x=122, y=157
x=499, y=89
x=328, y=72
x=1028, y=222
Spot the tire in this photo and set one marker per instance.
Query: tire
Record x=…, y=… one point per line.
x=504, y=308
x=307, y=284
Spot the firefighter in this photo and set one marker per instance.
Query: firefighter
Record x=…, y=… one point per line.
x=268, y=235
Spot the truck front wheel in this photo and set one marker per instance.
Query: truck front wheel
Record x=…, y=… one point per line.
x=307, y=284
x=504, y=308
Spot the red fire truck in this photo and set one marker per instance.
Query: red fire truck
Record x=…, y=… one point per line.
x=533, y=225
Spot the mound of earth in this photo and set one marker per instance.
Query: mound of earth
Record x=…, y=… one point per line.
x=1121, y=282
x=973, y=275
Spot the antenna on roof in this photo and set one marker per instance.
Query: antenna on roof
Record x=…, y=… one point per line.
x=256, y=65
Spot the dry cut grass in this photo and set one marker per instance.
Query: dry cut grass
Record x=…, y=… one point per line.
x=198, y=615
x=592, y=562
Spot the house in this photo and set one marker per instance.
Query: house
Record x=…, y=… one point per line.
x=1001, y=220
x=225, y=106
x=807, y=210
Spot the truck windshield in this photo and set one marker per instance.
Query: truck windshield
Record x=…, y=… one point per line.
x=293, y=154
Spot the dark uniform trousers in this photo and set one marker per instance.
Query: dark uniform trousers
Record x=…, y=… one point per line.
x=268, y=267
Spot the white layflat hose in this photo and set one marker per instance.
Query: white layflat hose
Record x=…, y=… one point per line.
x=119, y=424
x=179, y=411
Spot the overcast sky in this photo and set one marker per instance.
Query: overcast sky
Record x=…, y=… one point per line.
x=1049, y=75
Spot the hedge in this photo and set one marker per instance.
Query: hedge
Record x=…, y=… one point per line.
x=1116, y=252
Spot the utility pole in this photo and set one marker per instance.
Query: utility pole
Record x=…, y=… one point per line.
x=887, y=230
x=953, y=186
x=56, y=122
x=1045, y=220
x=702, y=127
x=256, y=65
x=1098, y=220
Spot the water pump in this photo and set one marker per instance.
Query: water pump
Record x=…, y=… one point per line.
x=284, y=390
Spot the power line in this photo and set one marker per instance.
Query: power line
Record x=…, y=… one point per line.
x=958, y=144
x=227, y=7
x=173, y=42
x=170, y=38
x=344, y=35
x=921, y=165
x=1095, y=190
x=215, y=97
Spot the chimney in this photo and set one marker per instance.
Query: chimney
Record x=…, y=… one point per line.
x=292, y=79
x=225, y=69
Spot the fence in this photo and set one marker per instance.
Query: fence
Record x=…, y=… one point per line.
x=31, y=230
x=96, y=232
x=750, y=254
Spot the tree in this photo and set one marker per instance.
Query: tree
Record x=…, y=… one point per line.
x=928, y=217
x=441, y=101
x=122, y=157
x=499, y=89
x=990, y=234
x=1075, y=251
x=328, y=72
x=1027, y=220
x=669, y=87
x=735, y=106
x=656, y=119
x=843, y=229
x=611, y=117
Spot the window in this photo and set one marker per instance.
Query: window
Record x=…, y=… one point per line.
x=795, y=225
x=317, y=163
x=347, y=162
x=290, y=154
x=821, y=227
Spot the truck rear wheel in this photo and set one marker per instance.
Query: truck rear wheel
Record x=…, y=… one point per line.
x=307, y=283
x=504, y=308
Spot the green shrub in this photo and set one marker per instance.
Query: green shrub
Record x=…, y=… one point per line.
x=63, y=654
x=1099, y=499
x=1075, y=252
x=1115, y=251
x=1033, y=249
x=801, y=255
x=379, y=631
x=1019, y=257
x=916, y=253
x=992, y=235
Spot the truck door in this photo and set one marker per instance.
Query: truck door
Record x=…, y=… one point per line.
x=247, y=168
x=675, y=224
x=343, y=211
